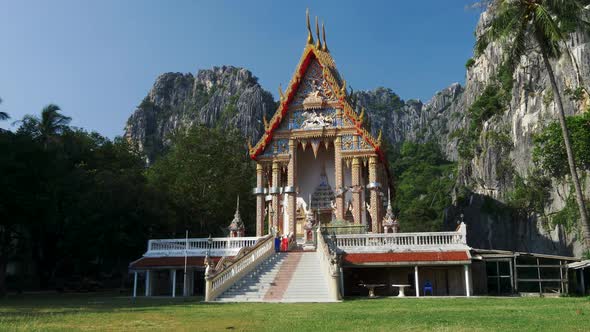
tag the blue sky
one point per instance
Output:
(98, 59)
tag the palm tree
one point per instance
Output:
(547, 22)
(48, 126)
(3, 115)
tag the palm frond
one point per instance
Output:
(504, 25)
(571, 15)
(547, 32)
(518, 47)
(4, 116)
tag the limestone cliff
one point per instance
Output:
(231, 98)
(226, 97)
(503, 147)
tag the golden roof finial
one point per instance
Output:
(317, 33)
(362, 116)
(309, 36)
(265, 122)
(325, 49)
(281, 94)
(249, 143)
(379, 137)
(343, 88)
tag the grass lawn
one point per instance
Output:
(110, 312)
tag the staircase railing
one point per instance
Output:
(219, 281)
(330, 265)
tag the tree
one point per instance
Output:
(47, 127)
(3, 115)
(201, 177)
(547, 22)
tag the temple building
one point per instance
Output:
(324, 187)
(316, 153)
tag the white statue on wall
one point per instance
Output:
(314, 119)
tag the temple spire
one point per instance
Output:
(318, 45)
(236, 227)
(390, 223)
(309, 35)
(325, 49)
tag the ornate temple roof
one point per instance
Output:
(316, 51)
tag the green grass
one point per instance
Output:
(108, 312)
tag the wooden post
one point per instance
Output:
(539, 276)
(561, 283)
(135, 284)
(582, 283)
(416, 281)
(511, 276)
(467, 288)
(173, 273)
(515, 276)
(148, 290)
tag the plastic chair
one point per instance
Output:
(427, 288)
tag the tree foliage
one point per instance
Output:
(201, 177)
(549, 151)
(424, 181)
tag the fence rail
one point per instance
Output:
(393, 241)
(199, 246)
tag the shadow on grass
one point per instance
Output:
(65, 304)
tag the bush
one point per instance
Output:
(549, 151)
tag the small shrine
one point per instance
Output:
(236, 227)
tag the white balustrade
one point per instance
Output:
(330, 268)
(402, 241)
(224, 246)
(223, 279)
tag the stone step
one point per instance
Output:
(283, 277)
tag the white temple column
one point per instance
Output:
(173, 277)
(259, 192)
(135, 284)
(416, 281)
(467, 286)
(290, 189)
(338, 179)
(275, 191)
(357, 204)
(148, 285)
(375, 199)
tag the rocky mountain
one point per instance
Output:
(490, 157)
(226, 97)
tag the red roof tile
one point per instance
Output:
(405, 257)
(155, 262)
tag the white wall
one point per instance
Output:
(309, 169)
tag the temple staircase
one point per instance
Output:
(283, 277)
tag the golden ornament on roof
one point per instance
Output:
(325, 48)
(318, 45)
(309, 36)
